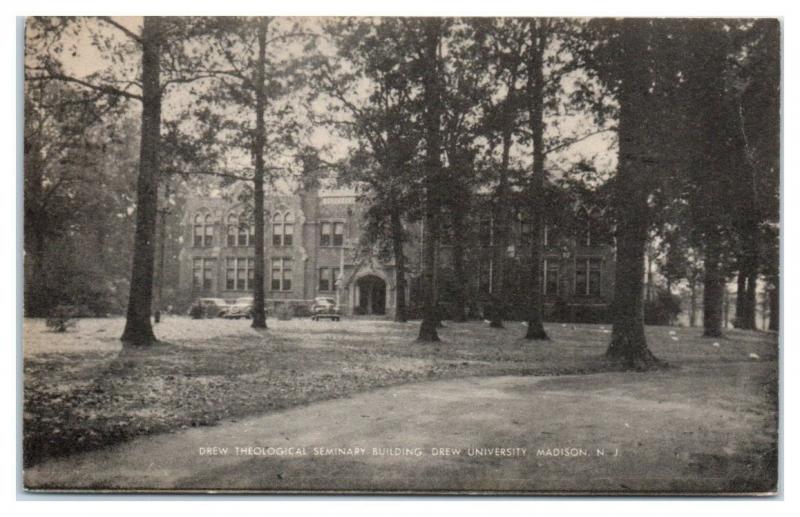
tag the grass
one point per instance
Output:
(82, 391)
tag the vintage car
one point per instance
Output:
(207, 308)
(240, 308)
(325, 307)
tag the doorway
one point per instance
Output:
(371, 295)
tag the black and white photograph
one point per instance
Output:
(399, 255)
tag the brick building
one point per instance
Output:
(311, 240)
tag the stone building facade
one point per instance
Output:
(311, 241)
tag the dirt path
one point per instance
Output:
(674, 430)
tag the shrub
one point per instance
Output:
(62, 318)
(284, 312)
(301, 310)
(663, 309)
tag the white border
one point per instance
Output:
(356, 506)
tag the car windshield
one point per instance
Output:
(243, 301)
(324, 301)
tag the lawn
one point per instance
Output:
(82, 391)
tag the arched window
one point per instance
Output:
(233, 225)
(244, 230)
(585, 234)
(282, 229)
(288, 229)
(277, 229)
(209, 231)
(250, 226)
(198, 230)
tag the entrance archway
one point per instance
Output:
(371, 294)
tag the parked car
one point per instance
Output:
(325, 307)
(240, 308)
(207, 308)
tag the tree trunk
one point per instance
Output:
(774, 307)
(725, 307)
(747, 280)
(427, 329)
(36, 302)
(458, 214)
(741, 297)
(749, 316)
(535, 85)
(628, 343)
(34, 220)
(650, 282)
(436, 275)
(162, 247)
(693, 302)
(399, 264)
(138, 329)
(635, 169)
(500, 232)
(259, 316)
(713, 285)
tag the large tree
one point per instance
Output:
(636, 61)
(244, 107)
(535, 96)
(433, 181)
(714, 168)
(373, 100)
(159, 46)
(78, 170)
(506, 47)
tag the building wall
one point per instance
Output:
(308, 254)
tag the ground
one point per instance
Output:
(707, 423)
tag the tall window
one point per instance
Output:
(209, 265)
(203, 230)
(239, 273)
(551, 272)
(331, 234)
(247, 232)
(594, 276)
(203, 272)
(585, 233)
(338, 234)
(587, 276)
(198, 230)
(277, 229)
(239, 232)
(197, 272)
(233, 229)
(325, 234)
(288, 229)
(327, 278)
(281, 275)
(282, 229)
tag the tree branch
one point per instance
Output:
(576, 140)
(122, 28)
(228, 175)
(102, 88)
